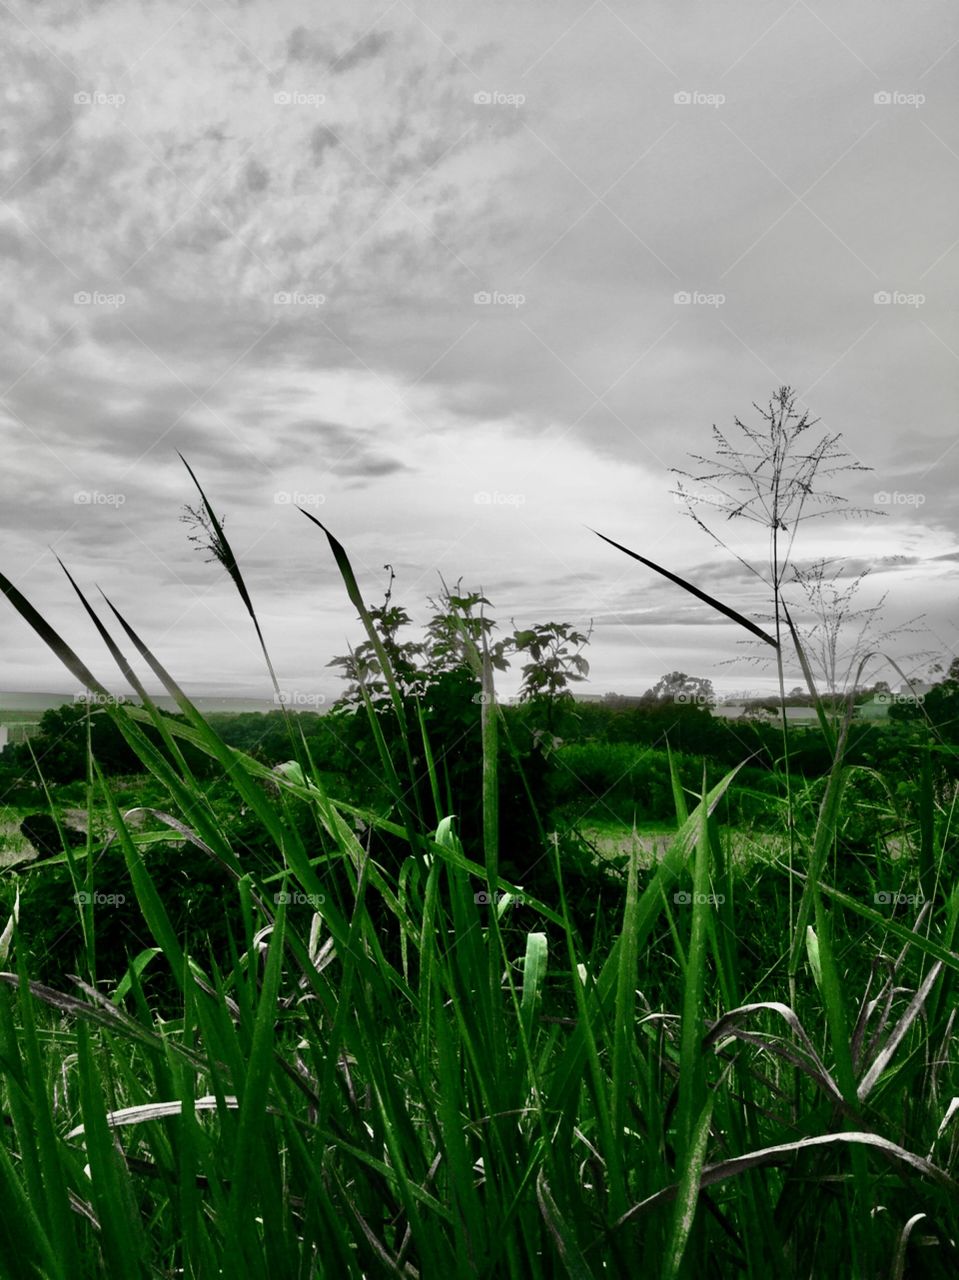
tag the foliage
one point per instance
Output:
(419, 1068)
(679, 687)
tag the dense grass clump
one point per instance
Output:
(391, 1058)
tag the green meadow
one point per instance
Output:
(429, 986)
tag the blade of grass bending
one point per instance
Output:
(825, 834)
(883, 1058)
(585, 1040)
(835, 1004)
(430, 763)
(679, 796)
(687, 1192)
(691, 1069)
(825, 726)
(566, 1246)
(151, 904)
(624, 1033)
(50, 637)
(927, 828)
(286, 839)
(255, 1088)
(356, 599)
(7, 936)
(534, 974)
(21, 1230)
(488, 735)
(568, 1073)
(450, 852)
(766, 1156)
(40, 1153)
(129, 674)
(469, 1218)
(224, 554)
(718, 605)
(121, 1229)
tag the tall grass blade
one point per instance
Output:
(718, 605)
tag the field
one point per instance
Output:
(431, 987)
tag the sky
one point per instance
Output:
(466, 283)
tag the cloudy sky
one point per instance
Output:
(465, 282)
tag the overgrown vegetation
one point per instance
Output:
(419, 1046)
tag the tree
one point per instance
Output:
(456, 636)
(60, 745)
(938, 708)
(679, 687)
(555, 651)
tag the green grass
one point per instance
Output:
(385, 1076)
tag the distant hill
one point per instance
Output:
(37, 703)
